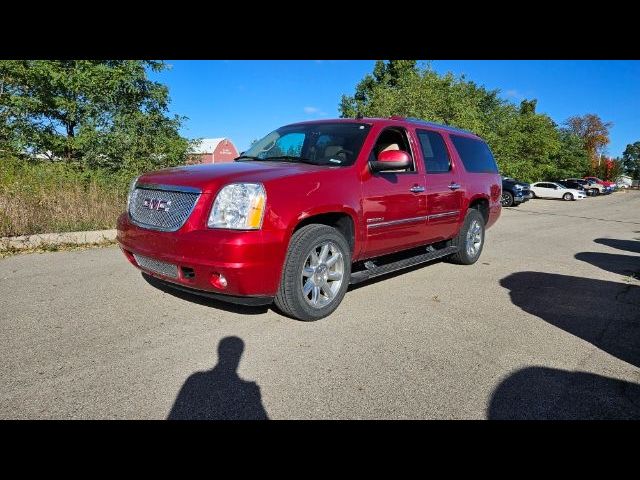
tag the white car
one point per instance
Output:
(555, 190)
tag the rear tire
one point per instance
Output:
(567, 197)
(307, 268)
(470, 239)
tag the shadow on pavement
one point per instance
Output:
(219, 393)
(537, 393)
(207, 302)
(612, 262)
(628, 245)
(602, 313)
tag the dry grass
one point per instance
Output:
(47, 199)
(68, 209)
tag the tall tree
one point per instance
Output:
(526, 144)
(631, 160)
(76, 108)
(594, 133)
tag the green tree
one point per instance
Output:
(571, 159)
(631, 160)
(526, 144)
(104, 113)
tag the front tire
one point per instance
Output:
(316, 273)
(507, 199)
(470, 239)
(567, 197)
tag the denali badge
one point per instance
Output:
(156, 204)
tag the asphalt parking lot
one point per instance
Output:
(545, 325)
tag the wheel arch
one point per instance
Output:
(342, 220)
(481, 204)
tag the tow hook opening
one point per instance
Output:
(188, 273)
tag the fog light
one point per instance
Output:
(218, 280)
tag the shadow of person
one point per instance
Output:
(612, 262)
(628, 245)
(541, 393)
(219, 393)
(600, 312)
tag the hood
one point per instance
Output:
(511, 181)
(210, 177)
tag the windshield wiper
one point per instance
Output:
(292, 158)
(246, 157)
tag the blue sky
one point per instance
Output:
(245, 100)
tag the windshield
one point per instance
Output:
(335, 144)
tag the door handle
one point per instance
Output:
(454, 186)
(417, 189)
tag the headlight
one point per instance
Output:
(132, 187)
(518, 187)
(239, 206)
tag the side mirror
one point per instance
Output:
(391, 160)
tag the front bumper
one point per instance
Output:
(247, 301)
(522, 197)
(250, 261)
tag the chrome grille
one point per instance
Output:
(163, 268)
(164, 208)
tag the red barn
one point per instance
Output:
(214, 150)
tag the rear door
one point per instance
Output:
(444, 195)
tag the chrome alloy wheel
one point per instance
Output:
(322, 274)
(474, 239)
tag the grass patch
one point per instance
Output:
(46, 197)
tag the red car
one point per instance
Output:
(311, 208)
(604, 183)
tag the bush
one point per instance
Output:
(43, 197)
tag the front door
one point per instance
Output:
(443, 189)
(394, 203)
(548, 190)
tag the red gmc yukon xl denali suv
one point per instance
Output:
(311, 208)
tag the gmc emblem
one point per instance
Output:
(156, 204)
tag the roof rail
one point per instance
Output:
(431, 124)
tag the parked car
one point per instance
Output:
(514, 192)
(555, 190)
(591, 188)
(311, 208)
(573, 185)
(608, 186)
(624, 181)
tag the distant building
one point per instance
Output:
(214, 150)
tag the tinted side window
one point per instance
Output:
(434, 152)
(475, 155)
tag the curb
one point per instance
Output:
(67, 238)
